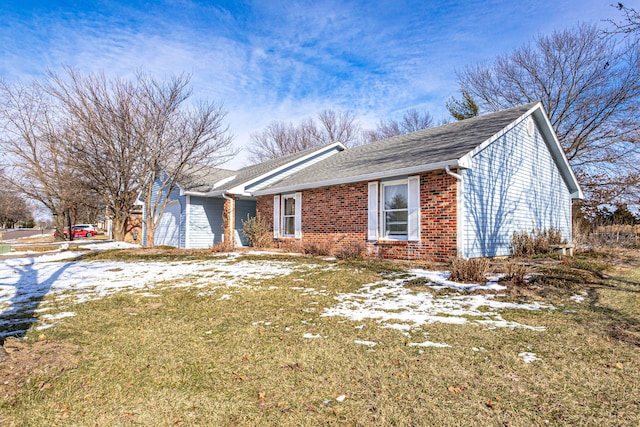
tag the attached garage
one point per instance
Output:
(168, 230)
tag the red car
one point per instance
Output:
(80, 230)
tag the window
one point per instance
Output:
(395, 210)
(289, 215)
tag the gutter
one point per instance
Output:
(459, 211)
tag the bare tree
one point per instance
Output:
(411, 121)
(630, 23)
(13, 209)
(280, 139)
(138, 138)
(34, 142)
(590, 87)
(181, 141)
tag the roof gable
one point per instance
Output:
(261, 174)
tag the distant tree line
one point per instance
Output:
(281, 138)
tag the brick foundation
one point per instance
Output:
(339, 215)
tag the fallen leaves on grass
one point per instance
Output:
(456, 389)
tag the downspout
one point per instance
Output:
(231, 221)
(459, 209)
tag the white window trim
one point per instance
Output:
(376, 212)
(382, 221)
(283, 227)
(297, 216)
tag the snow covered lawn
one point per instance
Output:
(31, 287)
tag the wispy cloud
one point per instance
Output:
(284, 60)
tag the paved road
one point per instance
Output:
(19, 233)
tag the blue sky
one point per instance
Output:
(269, 60)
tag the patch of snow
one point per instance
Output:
(367, 343)
(47, 326)
(224, 297)
(108, 246)
(56, 279)
(428, 344)
(577, 298)
(529, 357)
(440, 280)
(394, 305)
(307, 335)
(58, 316)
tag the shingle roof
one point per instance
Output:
(426, 147)
(205, 177)
(249, 173)
(202, 179)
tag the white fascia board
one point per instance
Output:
(239, 189)
(558, 151)
(361, 178)
(224, 181)
(217, 193)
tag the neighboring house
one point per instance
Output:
(460, 189)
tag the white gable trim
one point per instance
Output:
(240, 189)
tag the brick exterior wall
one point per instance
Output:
(339, 215)
(228, 222)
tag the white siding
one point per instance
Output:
(513, 185)
(205, 221)
(174, 196)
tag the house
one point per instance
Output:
(460, 189)
(211, 211)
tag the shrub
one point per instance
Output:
(220, 247)
(472, 270)
(293, 246)
(258, 231)
(515, 272)
(317, 248)
(351, 250)
(524, 244)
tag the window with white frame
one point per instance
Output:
(395, 209)
(288, 215)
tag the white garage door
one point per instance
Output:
(168, 230)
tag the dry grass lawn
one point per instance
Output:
(186, 358)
